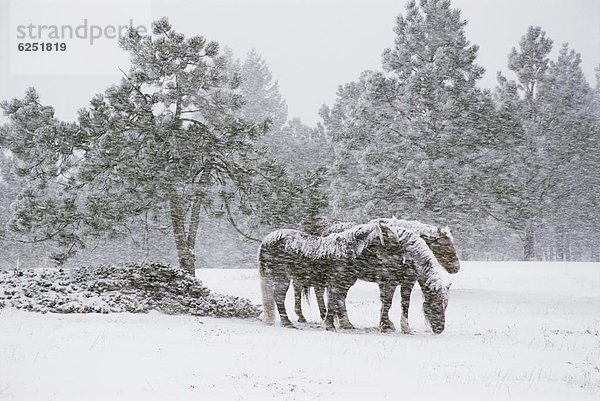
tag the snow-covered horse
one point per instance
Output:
(439, 240)
(307, 260)
(412, 257)
(441, 243)
(372, 252)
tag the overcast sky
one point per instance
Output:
(311, 46)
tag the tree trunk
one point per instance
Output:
(194, 224)
(185, 253)
(528, 239)
(560, 243)
(595, 250)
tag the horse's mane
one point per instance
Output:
(277, 235)
(417, 227)
(421, 257)
(349, 243)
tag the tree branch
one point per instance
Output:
(234, 225)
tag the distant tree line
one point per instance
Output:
(514, 171)
(191, 156)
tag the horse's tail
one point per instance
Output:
(306, 294)
(266, 287)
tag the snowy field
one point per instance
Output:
(515, 331)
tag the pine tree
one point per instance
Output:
(262, 99)
(300, 147)
(169, 139)
(538, 166)
(305, 153)
(432, 85)
(420, 119)
(591, 200)
(297, 195)
(566, 98)
(514, 179)
(9, 188)
(365, 160)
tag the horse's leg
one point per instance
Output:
(386, 295)
(405, 290)
(298, 302)
(337, 290)
(331, 308)
(320, 293)
(336, 296)
(342, 312)
(280, 291)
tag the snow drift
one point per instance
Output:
(135, 288)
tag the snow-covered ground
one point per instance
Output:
(515, 331)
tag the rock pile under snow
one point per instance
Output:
(135, 288)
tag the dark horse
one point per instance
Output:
(438, 239)
(373, 252)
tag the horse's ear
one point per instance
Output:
(443, 231)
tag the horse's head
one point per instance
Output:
(435, 303)
(442, 246)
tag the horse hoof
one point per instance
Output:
(387, 327)
(330, 328)
(407, 331)
(347, 326)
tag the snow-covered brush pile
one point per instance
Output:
(135, 288)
